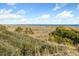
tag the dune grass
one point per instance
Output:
(21, 44)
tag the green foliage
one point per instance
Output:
(29, 31)
(27, 50)
(26, 30)
(65, 40)
(18, 29)
(65, 36)
(14, 44)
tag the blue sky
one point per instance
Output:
(39, 13)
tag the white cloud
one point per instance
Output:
(21, 12)
(56, 7)
(78, 6)
(9, 15)
(4, 11)
(65, 14)
(65, 17)
(43, 17)
(59, 6)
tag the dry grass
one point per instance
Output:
(41, 34)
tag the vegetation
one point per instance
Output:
(26, 31)
(29, 31)
(65, 35)
(18, 29)
(20, 44)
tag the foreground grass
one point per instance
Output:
(20, 44)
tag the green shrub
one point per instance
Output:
(18, 29)
(28, 31)
(65, 36)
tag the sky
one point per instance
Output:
(39, 13)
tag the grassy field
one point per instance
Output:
(38, 40)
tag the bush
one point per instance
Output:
(26, 30)
(66, 36)
(29, 31)
(18, 29)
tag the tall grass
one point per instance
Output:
(21, 44)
